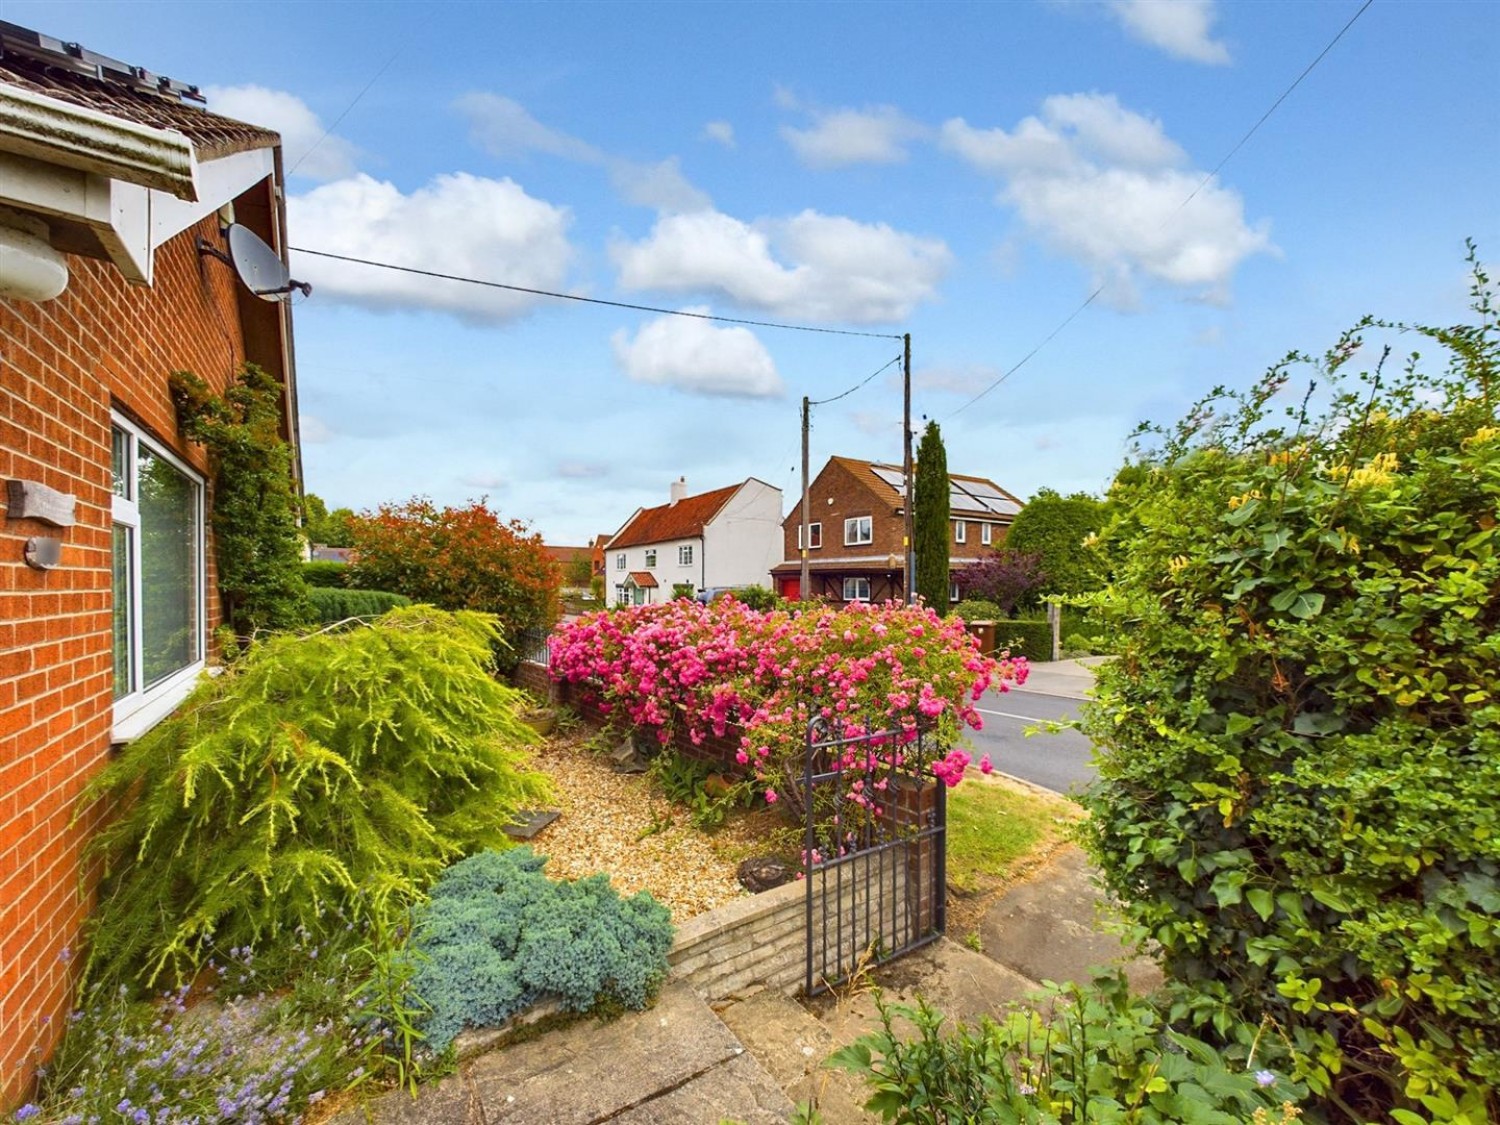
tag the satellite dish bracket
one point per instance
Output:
(246, 272)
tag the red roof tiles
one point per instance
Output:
(682, 520)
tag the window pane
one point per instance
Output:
(121, 592)
(119, 461)
(170, 630)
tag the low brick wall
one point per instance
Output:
(763, 940)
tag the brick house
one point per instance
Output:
(110, 178)
(727, 537)
(856, 528)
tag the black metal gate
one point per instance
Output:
(875, 849)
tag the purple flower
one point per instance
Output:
(28, 1111)
(1264, 1078)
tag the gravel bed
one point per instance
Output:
(619, 824)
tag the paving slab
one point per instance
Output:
(738, 1090)
(1053, 927)
(677, 1057)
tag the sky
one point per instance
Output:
(966, 173)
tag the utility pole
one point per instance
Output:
(802, 536)
(909, 562)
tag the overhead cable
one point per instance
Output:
(851, 390)
(1089, 300)
(594, 300)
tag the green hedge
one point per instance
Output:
(325, 574)
(1030, 637)
(333, 606)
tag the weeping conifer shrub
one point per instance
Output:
(320, 785)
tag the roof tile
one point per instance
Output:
(682, 520)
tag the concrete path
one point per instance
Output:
(675, 1064)
(1055, 927)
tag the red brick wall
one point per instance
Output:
(63, 364)
(850, 497)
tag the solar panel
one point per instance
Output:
(891, 477)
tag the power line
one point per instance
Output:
(594, 300)
(1089, 300)
(328, 131)
(851, 390)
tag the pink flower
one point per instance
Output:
(771, 797)
(985, 766)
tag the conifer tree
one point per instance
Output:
(930, 519)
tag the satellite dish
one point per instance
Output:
(258, 266)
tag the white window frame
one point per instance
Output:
(814, 536)
(620, 561)
(685, 555)
(960, 531)
(140, 709)
(986, 533)
(853, 526)
(953, 591)
(650, 558)
(857, 583)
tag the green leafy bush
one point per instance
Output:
(977, 609)
(332, 606)
(757, 597)
(499, 935)
(257, 544)
(327, 773)
(1030, 637)
(1299, 794)
(325, 574)
(1056, 527)
(1097, 1054)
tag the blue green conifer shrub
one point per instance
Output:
(498, 935)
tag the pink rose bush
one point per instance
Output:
(860, 667)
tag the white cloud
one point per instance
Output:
(839, 137)
(661, 186)
(505, 128)
(457, 224)
(874, 422)
(967, 379)
(810, 266)
(721, 131)
(1106, 186)
(303, 144)
(313, 429)
(580, 470)
(482, 480)
(697, 356)
(1181, 28)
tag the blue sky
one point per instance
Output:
(968, 173)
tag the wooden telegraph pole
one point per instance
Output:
(908, 547)
(806, 587)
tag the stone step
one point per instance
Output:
(676, 1063)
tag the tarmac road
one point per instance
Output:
(1059, 761)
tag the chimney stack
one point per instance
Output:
(679, 490)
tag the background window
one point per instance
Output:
(960, 532)
(986, 531)
(856, 589)
(619, 562)
(814, 536)
(685, 555)
(858, 530)
(650, 558)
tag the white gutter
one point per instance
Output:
(71, 136)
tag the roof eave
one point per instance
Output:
(73, 136)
